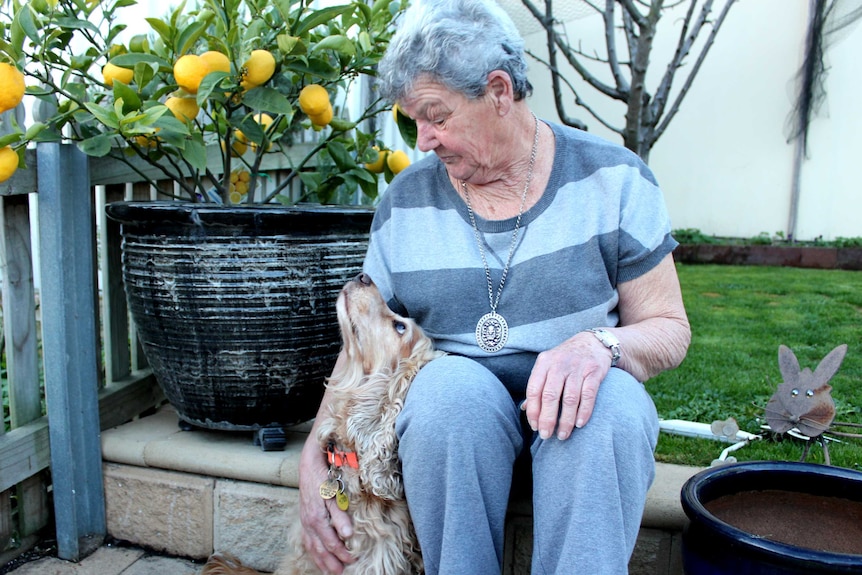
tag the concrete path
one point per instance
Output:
(112, 561)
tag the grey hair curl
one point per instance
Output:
(454, 42)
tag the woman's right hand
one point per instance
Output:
(325, 527)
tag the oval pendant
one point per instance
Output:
(492, 331)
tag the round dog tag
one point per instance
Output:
(329, 488)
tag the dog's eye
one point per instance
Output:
(399, 326)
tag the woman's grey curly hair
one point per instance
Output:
(454, 42)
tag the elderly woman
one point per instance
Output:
(539, 257)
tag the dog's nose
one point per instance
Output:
(364, 279)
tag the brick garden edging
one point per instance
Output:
(763, 255)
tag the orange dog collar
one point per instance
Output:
(339, 458)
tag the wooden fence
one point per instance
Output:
(73, 335)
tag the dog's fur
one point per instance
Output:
(384, 351)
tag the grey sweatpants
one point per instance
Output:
(460, 432)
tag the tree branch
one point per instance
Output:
(611, 44)
(683, 47)
(575, 122)
(690, 79)
(548, 23)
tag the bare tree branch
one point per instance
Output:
(611, 43)
(690, 78)
(548, 22)
(646, 117)
(683, 48)
(633, 11)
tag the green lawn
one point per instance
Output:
(739, 316)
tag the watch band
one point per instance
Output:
(610, 341)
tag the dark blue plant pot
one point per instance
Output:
(711, 546)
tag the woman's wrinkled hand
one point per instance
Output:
(325, 527)
(563, 385)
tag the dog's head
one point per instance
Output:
(374, 337)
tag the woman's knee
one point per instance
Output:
(457, 397)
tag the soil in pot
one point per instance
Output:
(822, 523)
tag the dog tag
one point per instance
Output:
(342, 500)
(329, 488)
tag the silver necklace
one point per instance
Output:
(492, 330)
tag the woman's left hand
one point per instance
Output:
(563, 386)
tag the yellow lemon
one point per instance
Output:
(323, 118)
(259, 68)
(240, 175)
(111, 72)
(377, 165)
(238, 145)
(397, 161)
(11, 86)
(314, 100)
(395, 112)
(265, 121)
(189, 70)
(185, 109)
(8, 163)
(145, 142)
(216, 61)
(235, 197)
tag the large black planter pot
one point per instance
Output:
(235, 306)
(712, 546)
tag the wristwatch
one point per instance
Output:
(610, 341)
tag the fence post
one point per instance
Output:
(70, 344)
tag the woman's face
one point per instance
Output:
(459, 130)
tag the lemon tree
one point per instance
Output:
(222, 74)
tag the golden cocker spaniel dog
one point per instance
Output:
(384, 352)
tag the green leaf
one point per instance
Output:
(291, 45)
(195, 153)
(407, 128)
(340, 125)
(363, 174)
(189, 36)
(151, 115)
(144, 73)
(132, 59)
(24, 19)
(341, 44)
(10, 139)
(75, 24)
(164, 31)
(130, 98)
(320, 17)
(210, 82)
(268, 99)
(104, 115)
(340, 155)
(97, 146)
(34, 130)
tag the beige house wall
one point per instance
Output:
(724, 163)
